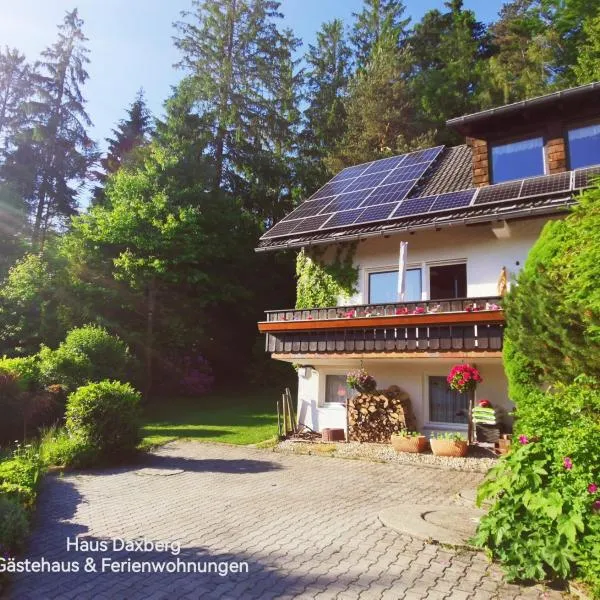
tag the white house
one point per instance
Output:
(467, 213)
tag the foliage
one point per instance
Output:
(553, 329)
(463, 378)
(197, 376)
(13, 525)
(587, 68)
(20, 475)
(543, 522)
(320, 283)
(105, 416)
(448, 435)
(409, 434)
(361, 381)
(10, 398)
(58, 448)
(25, 369)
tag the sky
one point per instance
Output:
(131, 44)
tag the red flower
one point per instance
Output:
(592, 488)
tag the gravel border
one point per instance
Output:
(480, 459)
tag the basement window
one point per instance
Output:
(447, 281)
(337, 391)
(517, 160)
(584, 146)
(446, 405)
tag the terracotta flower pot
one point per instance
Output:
(402, 443)
(449, 447)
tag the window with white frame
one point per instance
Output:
(383, 286)
(337, 391)
(446, 405)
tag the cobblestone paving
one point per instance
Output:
(306, 526)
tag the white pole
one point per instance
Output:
(402, 271)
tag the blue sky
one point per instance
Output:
(131, 41)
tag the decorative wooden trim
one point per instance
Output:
(474, 318)
(480, 355)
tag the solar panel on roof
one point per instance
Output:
(414, 206)
(389, 193)
(547, 184)
(350, 172)
(377, 213)
(344, 202)
(310, 224)
(428, 155)
(406, 173)
(331, 189)
(367, 181)
(281, 228)
(499, 192)
(384, 164)
(343, 218)
(585, 177)
(308, 209)
(453, 200)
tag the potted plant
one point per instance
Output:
(409, 441)
(448, 444)
(464, 379)
(361, 381)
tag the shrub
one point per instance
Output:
(11, 423)
(25, 369)
(87, 354)
(58, 448)
(13, 525)
(105, 417)
(20, 475)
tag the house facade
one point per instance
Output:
(468, 215)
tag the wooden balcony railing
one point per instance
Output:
(465, 324)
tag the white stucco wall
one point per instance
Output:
(484, 253)
(410, 374)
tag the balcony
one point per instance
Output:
(452, 326)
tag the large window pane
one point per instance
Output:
(517, 160)
(446, 405)
(336, 389)
(383, 287)
(448, 281)
(584, 146)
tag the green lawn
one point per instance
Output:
(230, 417)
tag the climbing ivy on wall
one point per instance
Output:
(320, 284)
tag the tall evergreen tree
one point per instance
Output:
(15, 89)
(130, 134)
(449, 49)
(327, 75)
(520, 67)
(381, 117)
(240, 81)
(376, 17)
(587, 68)
(58, 139)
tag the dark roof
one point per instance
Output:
(468, 216)
(564, 104)
(451, 173)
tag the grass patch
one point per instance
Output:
(229, 417)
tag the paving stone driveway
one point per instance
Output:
(307, 527)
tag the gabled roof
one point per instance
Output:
(451, 173)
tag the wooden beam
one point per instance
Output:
(385, 356)
(476, 317)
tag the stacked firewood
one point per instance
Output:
(374, 417)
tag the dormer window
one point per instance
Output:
(517, 160)
(584, 146)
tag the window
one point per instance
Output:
(383, 287)
(517, 160)
(446, 405)
(448, 281)
(584, 146)
(337, 390)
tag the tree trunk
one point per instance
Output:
(151, 293)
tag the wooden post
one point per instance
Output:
(470, 424)
(278, 421)
(284, 415)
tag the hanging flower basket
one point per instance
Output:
(464, 378)
(361, 381)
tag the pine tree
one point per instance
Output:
(131, 134)
(375, 17)
(381, 117)
(64, 150)
(327, 77)
(15, 89)
(587, 68)
(449, 52)
(236, 62)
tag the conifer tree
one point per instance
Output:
(15, 89)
